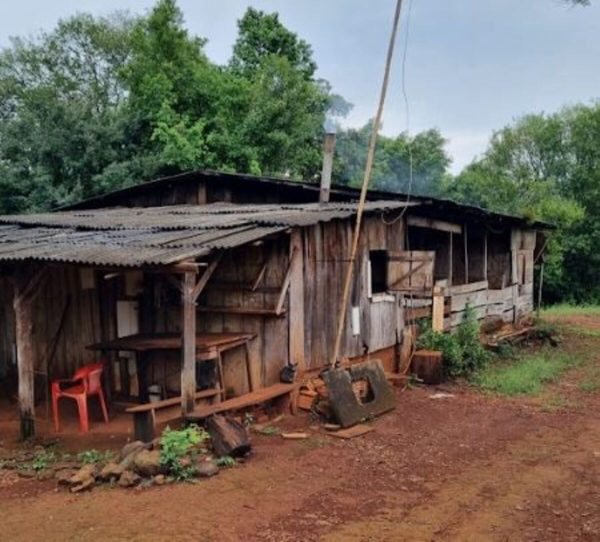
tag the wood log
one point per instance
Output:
(229, 437)
(428, 366)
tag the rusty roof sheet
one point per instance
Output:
(135, 237)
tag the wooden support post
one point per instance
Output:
(296, 304)
(437, 310)
(23, 325)
(450, 258)
(466, 241)
(485, 256)
(188, 370)
(26, 286)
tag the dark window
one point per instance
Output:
(379, 260)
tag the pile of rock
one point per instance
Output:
(138, 464)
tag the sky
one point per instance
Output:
(472, 66)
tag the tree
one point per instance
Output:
(260, 36)
(100, 103)
(548, 167)
(61, 111)
(399, 160)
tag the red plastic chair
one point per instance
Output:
(86, 381)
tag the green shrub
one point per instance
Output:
(94, 456)
(178, 449)
(462, 350)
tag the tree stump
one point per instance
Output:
(428, 366)
(229, 437)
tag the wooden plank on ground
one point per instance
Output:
(352, 432)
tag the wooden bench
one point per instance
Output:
(147, 416)
(243, 401)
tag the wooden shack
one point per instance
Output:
(245, 273)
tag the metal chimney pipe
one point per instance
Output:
(328, 150)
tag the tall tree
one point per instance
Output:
(548, 167)
(61, 111)
(404, 163)
(260, 36)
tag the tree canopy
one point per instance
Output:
(99, 103)
(548, 167)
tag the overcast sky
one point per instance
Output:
(472, 65)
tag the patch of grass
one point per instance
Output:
(524, 376)
(565, 309)
(557, 402)
(581, 331)
(589, 386)
(94, 456)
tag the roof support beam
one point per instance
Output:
(26, 285)
(188, 350)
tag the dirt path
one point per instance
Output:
(470, 467)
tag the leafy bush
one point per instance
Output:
(462, 350)
(94, 456)
(178, 449)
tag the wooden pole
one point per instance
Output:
(466, 243)
(540, 288)
(365, 186)
(188, 350)
(451, 259)
(23, 325)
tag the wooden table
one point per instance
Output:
(208, 346)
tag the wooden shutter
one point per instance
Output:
(410, 271)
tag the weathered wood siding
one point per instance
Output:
(326, 252)
(61, 303)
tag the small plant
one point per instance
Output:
(91, 457)
(42, 460)
(178, 449)
(226, 461)
(462, 350)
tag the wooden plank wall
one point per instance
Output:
(326, 249)
(81, 325)
(229, 286)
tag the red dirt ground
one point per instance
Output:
(469, 467)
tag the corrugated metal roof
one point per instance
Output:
(157, 235)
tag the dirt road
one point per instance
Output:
(468, 467)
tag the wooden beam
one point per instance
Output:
(259, 277)
(206, 276)
(433, 224)
(25, 365)
(450, 259)
(466, 244)
(296, 305)
(188, 351)
(485, 256)
(286, 283)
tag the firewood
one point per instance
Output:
(229, 437)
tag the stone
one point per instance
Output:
(83, 475)
(63, 476)
(147, 463)
(156, 443)
(46, 474)
(88, 483)
(132, 448)
(111, 471)
(160, 480)
(206, 469)
(27, 473)
(129, 479)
